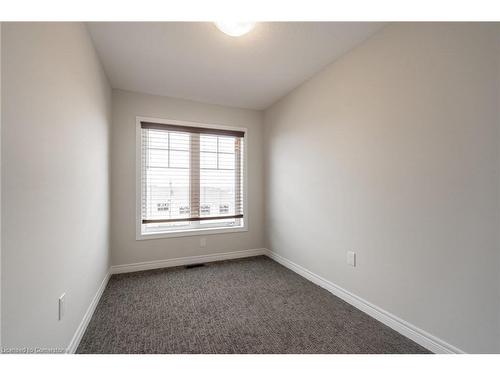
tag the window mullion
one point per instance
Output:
(194, 174)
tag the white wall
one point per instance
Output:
(392, 151)
(125, 248)
(56, 105)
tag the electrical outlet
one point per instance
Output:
(351, 258)
(203, 242)
(61, 306)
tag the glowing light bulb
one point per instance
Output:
(235, 28)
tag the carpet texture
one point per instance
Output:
(251, 305)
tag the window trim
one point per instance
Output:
(138, 178)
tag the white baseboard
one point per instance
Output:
(77, 337)
(142, 266)
(416, 334)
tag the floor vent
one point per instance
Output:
(195, 265)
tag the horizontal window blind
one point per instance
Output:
(191, 175)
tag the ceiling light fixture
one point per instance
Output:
(235, 28)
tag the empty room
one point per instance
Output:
(250, 187)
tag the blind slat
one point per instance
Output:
(192, 219)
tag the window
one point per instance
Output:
(205, 209)
(191, 179)
(162, 206)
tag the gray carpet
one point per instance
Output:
(251, 305)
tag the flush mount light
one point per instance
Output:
(235, 28)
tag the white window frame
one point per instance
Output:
(138, 179)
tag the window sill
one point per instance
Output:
(189, 233)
